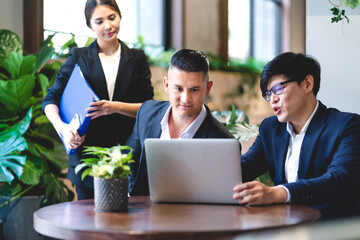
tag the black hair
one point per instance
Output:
(92, 4)
(295, 66)
(190, 61)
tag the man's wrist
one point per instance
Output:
(282, 194)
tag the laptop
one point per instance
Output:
(193, 170)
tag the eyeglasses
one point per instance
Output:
(276, 89)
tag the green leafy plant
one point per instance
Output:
(9, 42)
(12, 143)
(237, 122)
(107, 163)
(32, 158)
(65, 48)
(339, 13)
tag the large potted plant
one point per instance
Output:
(32, 160)
(110, 169)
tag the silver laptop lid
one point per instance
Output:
(193, 170)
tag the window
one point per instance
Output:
(254, 29)
(59, 17)
(239, 28)
(139, 17)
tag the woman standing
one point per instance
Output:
(118, 75)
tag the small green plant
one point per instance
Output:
(237, 122)
(107, 163)
(339, 13)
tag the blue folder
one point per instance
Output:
(76, 97)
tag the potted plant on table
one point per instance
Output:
(110, 169)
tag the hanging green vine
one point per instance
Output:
(338, 11)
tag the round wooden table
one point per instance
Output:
(144, 219)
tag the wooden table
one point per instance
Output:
(144, 219)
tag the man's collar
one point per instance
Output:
(191, 129)
(290, 129)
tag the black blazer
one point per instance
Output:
(329, 165)
(132, 85)
(147, 125)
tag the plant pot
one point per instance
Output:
(1, 230)
(111, 195)
(17, 218)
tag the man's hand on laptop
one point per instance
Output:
(256, 193)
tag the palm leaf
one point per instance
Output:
(11, 143)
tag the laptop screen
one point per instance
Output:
(193, 170)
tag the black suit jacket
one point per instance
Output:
(329, 165)
(132, 85)
(147, 125)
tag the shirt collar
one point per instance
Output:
(118, 52)
(191, 129)
(290, 128)
(164, 121)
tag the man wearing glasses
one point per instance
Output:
(311, 152)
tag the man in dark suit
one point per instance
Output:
(185, 116)
(311, 152)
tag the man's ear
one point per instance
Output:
(208, 87)
(309, 83)
(166, 85)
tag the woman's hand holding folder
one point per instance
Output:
(70, 135)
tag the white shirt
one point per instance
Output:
(293, 152)
(110, 71)
(189, 131)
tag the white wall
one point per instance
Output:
(337, 47)
(11, 16)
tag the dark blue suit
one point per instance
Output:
(329, 165)
(147, 125)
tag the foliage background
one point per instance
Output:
(32, 160)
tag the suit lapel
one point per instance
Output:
(281, 141)
(94, 73)
(203, 130)
(312, 135)
(124, 72)
(154, 130)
